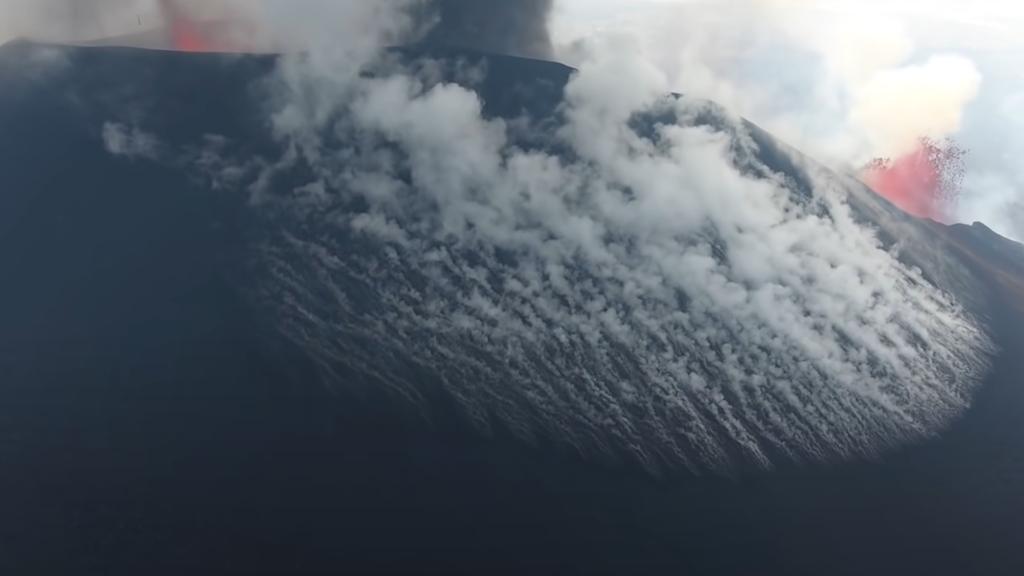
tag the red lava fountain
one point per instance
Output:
(925, 182)
(186, 34)
(189, 34)
(188, 39)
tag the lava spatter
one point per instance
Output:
(924, 182)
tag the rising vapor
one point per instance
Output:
(848, 82)
(640, 282)
(631, 278)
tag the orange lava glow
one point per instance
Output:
(188, 39)
(924, 182)
(187, 35)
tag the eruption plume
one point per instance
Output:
(186, 34)
(518, 27)
(515, 27)
(215, 26)
(925, 182)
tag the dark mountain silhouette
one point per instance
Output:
(154, 419)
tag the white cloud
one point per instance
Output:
(655, 292)
(843, 80)
(896, 107)
(663, 295)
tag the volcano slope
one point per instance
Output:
(474, 318)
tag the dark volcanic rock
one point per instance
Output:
(153, 418)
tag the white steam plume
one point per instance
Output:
(650, 289)
(897, 107)
(844, 81)
(655, 291)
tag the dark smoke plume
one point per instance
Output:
(518, 27)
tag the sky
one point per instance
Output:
(846, 81)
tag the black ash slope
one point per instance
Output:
(152, 420)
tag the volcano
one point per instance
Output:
(224, 352)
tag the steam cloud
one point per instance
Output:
(848, 83)
(638, 283)
(897, 107)
(651, 289)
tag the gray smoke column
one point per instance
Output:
(68, 20)
(518, 27)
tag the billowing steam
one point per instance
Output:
(897, 107)
(628, 277)
(904, 111)
(848, 82)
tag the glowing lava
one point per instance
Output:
(187, 35)
(188, 39)
(925, 182)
